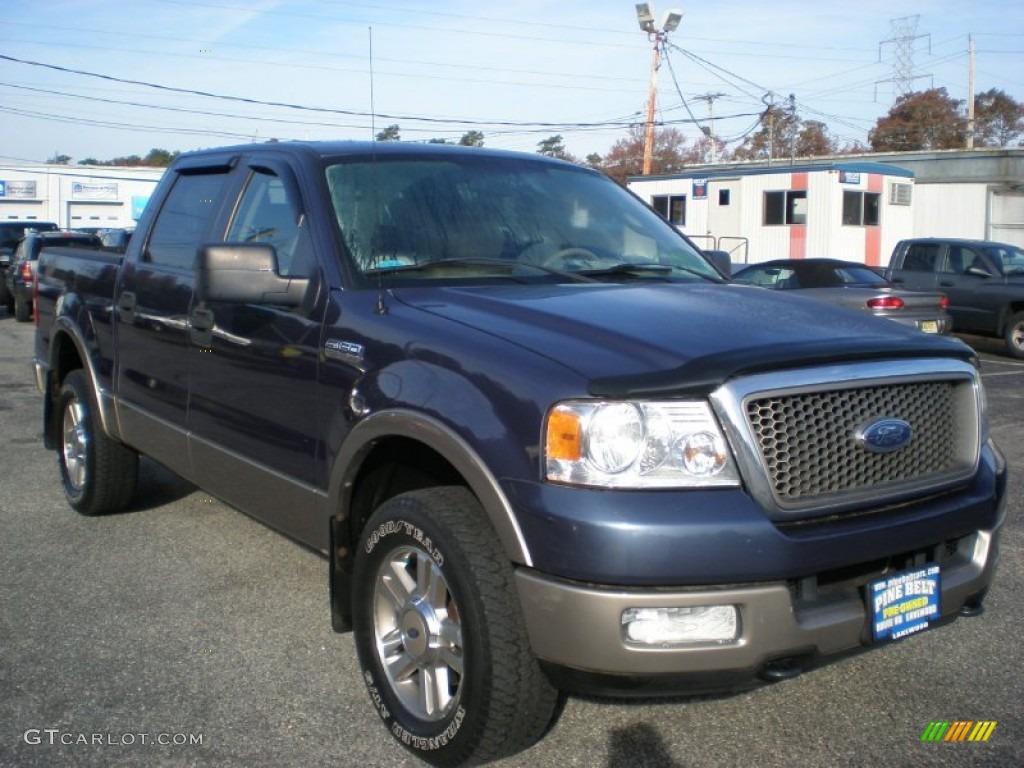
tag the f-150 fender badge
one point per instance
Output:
(884, 435)
(345, 351)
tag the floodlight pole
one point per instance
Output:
(658, 38)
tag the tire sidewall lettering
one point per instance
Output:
(401, 527)
(430, 743)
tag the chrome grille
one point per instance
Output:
(808, 446)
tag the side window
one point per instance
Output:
(671, 207)
(860, 209)
(921, 257)
(268, 214)
(785, 207)
(183, 220)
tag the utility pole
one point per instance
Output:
(970, 93)
(709, 99)
(658, 36)
(769, 100)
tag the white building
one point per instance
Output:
(853, 208)
(76, 196)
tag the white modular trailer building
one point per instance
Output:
(856, 211)
(976, 194)
(76, 196)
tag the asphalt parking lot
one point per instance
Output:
(184, 633)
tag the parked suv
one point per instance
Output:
(11, 233)
(18, 280)
(984, 281)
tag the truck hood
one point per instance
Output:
(654, 337)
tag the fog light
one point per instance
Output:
(681, 626)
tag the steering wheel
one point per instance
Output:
(581, 258)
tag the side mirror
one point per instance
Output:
(245, 273)
(721, 260)
(978, 272)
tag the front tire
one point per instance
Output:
(99, 473)
(440, 634)
(1014, 335)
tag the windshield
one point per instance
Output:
(451, 217)
(1010, 259)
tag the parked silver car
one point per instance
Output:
(854, 285)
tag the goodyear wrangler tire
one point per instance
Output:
(99, 473)
(440, 635)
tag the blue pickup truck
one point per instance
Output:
(544, 444)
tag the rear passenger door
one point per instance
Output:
(152, 307)
(920, 262)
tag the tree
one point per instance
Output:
(554, 146)
(998, 119)
(920, 121)
(626, 157)
(391, 133)
(472, 139)
(812, 140)
(159, 158)
(59, 159)
(90, 161)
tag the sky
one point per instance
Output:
(106, 78)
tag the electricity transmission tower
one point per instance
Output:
(904, 39)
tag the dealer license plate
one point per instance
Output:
(930, 326)
(904, 603)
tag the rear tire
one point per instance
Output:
(440, 635)
(22, 309)
(99, 473)
(1014, 335)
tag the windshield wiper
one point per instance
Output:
(506, 265)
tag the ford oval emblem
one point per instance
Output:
(884, 435)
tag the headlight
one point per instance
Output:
(668, 444)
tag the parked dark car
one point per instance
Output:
(11, 233)
(19, 277)
(854, 285)
(983, 279)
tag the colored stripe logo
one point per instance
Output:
(958, 730)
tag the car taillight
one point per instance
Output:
(26, 271)
(886, 302)
(944, 302)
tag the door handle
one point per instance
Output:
(202, 319)
(127, 302)
(200, 328)
(947, 285)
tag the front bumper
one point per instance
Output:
(576, 629)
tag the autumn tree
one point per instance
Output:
(998, 119)
(626, 157)
(923, 120)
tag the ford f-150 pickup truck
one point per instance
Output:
(545, 445)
